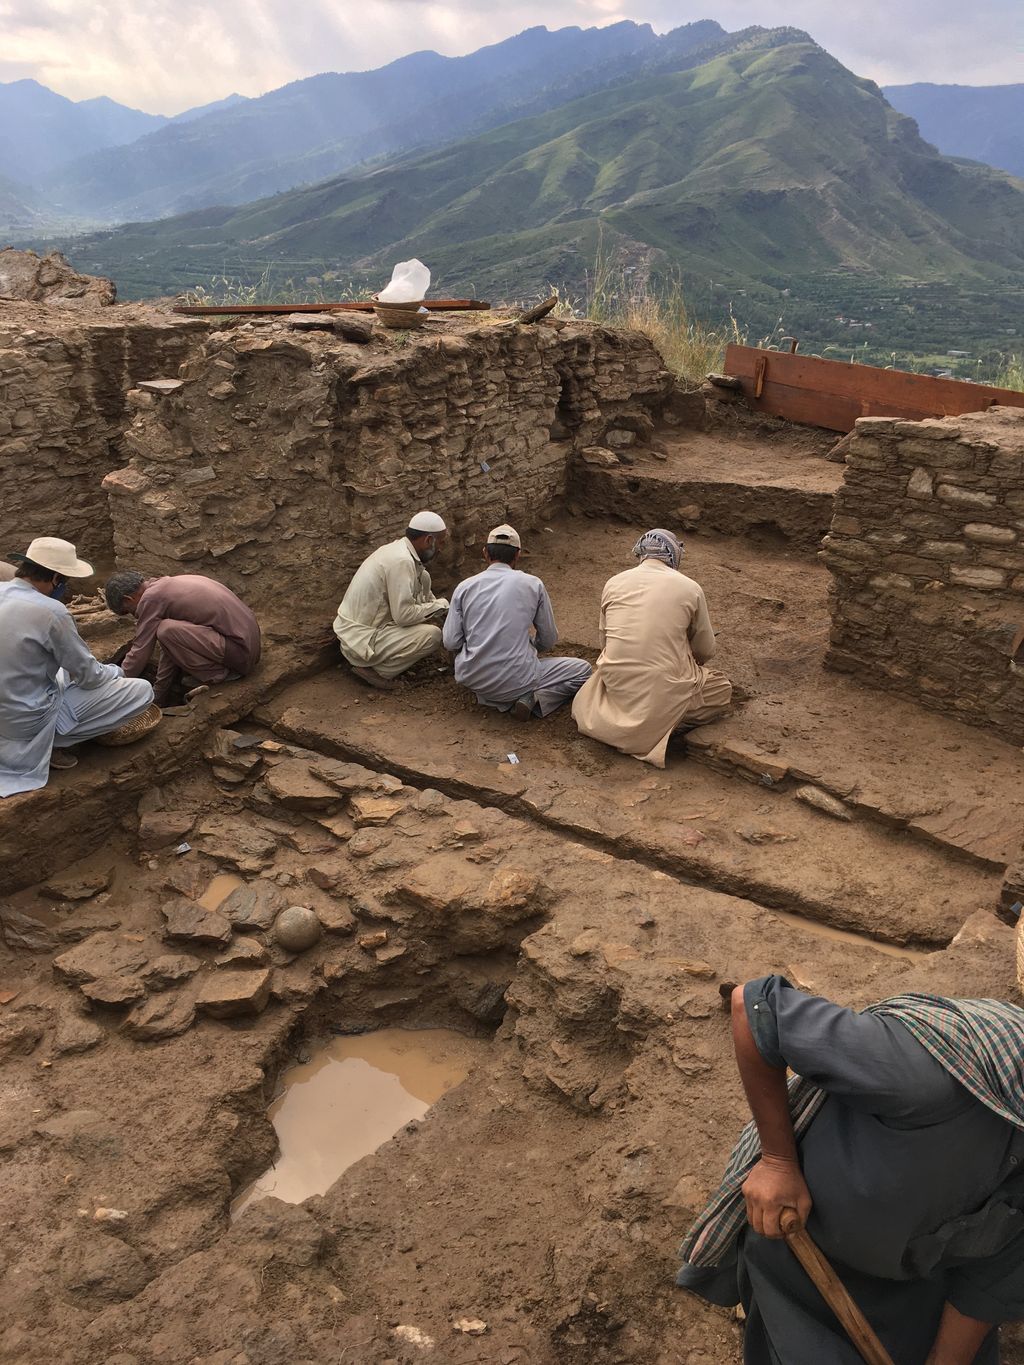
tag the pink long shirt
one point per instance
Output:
(202, 602)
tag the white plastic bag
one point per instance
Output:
(410, 281)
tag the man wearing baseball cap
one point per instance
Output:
(488, 631)
(53, 691)
(389, 618)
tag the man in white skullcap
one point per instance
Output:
(488, 630)
(53, 692)
(389, 618)
(656, 639)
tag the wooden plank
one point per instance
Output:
(834, 393)
(274, 309)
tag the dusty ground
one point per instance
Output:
(580, 908)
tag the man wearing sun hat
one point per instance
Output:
(488, 630)
(53, 692)
(389, 618)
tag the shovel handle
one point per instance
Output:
(832, 1290)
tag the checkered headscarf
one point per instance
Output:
(659, 544)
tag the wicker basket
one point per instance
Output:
(401, 315)
(1020, 952)
(135, 729)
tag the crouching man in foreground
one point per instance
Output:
(488, 630)
(53, 692)
(206, 634)
(900, 1144)
(389, 618)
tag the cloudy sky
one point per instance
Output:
(167, 55)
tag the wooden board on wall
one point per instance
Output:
(833, 394)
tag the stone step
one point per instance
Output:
(925, 773)
(717, 482)
(699, 825)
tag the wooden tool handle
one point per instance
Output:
(832, 1290)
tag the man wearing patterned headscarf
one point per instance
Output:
(656, 639)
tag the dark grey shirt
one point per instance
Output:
(912, 1178)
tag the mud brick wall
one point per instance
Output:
(64, 376)
(927, 556)
(285, 457)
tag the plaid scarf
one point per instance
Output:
(979, 1042)
(659, 544)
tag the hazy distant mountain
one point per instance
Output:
(39, 130)
(983, 122)
(21, 211)
(769, 163)
(318, 127)
(201, 110)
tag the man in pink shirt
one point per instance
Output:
(204, 631)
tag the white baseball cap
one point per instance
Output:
(59, 555)
(504, 535)
(427, 522)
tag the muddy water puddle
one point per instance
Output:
(219, 890)
(354, 1094)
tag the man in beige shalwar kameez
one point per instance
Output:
(656, 638)
(389, 618)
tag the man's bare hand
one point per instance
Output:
(775, 1183)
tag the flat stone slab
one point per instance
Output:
(254, 906)
(296, 788)
(169, 969)
(102, 955)
(243, 952)
(187, 921)
(229, 992)
(75, 1033)
(240, 844)
(161, 1016)
(114, 992)
(27, 932)
(74, 888)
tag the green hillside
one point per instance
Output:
(757, 170)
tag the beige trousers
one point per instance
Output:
(396, 648)
(707, 704)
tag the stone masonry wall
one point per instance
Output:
(284, 457)
(927, 556)
(64, 376)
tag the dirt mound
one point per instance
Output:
(31, 278)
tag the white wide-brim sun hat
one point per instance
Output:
(59, 555)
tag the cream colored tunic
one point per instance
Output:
(383, 619)
(655, 638)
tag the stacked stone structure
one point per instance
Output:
(927, 556)
(282, 457)
(64, 376)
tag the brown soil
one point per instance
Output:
(579, 909)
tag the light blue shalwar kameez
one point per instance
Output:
(488, 631)
(53, 691)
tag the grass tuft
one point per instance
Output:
(1012, 376)
(620, 294)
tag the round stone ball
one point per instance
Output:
(297, 928)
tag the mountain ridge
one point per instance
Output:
(982, 122)
(769, 160)
(291, 135)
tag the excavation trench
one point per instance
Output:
(816, 914)
(541, 1196)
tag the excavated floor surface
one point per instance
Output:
(578, 908)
